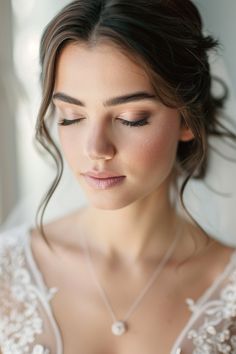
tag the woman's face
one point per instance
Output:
(88, 81)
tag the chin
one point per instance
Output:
(110, 202)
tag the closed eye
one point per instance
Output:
(138, 123)
(69, 121)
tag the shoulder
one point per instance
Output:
(62, 233)
(222, 258)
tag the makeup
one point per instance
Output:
(104, 183)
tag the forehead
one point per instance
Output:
(103, 69)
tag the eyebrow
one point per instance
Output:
(131, 97)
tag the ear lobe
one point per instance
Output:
(186, 133)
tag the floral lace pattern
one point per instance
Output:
(20, 321)
(217, 333)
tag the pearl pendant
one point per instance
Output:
(118, 328)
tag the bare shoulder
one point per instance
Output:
(205, 248)
(217, 257)
(220, 248)
(60, 232)
(64, 255)
(208, 258)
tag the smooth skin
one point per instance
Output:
(128, 227)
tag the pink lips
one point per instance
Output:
(102, 174)
(103, 179)
(104, 183)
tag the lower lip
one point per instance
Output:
(104, 183)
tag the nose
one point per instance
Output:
(98, 144)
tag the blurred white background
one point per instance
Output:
(25, 176)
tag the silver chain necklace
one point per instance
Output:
(119, 327)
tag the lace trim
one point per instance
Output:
(217, 334)
(20, 321)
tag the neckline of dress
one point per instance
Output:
(44, 290)
(202, 299)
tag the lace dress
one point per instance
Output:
(28, 325)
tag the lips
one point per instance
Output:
(102, 174)
(104, 183)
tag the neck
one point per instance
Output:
(143, 230)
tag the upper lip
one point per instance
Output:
(101, 174)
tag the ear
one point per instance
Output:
(186, 133)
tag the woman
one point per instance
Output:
(129, 86)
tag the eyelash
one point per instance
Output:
(138, 123)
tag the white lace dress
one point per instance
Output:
(28, 325)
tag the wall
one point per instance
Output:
(220, 19)
(9, 190)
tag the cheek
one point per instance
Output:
(157, 151)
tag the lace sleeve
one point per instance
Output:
(20, 322)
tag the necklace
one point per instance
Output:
(119, 327)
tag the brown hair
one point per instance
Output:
(165, 37)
